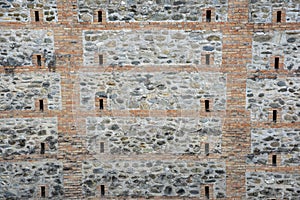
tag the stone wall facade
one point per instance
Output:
(23, 91)
(261, 11)
(154, 178)
(281, 142)
(23, 136)
(23, 180)
(159, 10)
(262, 185)
(22, 10)
(154, 135)
(266, 95)
(151, 47)
(18, 47)
(158, 99)
(281, 44)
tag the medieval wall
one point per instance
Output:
(149, 99)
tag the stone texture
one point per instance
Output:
(147, 10)
(262, 185)
(283, 142)
(19, 10)
(22, 136)
(263, 95)
(153, 178)
(266, 45)
(129, 47)
(154, 135)
(22, 180)
(260, 11)
(22, 91)
(17, 47)
(154, 91)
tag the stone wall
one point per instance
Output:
(154, 135)
(20, 10)
(22, 180)
(282, 94)
(281, 142)
(159, 10)
(260, 11)
(20, 92)
(153, 91)
(263, 185)
(154, 178)
(23, 136)
(17, 47)
(267, 45)
(135, 47)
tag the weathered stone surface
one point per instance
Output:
(154, 91)
(283, 142)
(264, 185)
(260, 11)
(22, 180)
(267, 45)
(20, 92)
(153, 178)
(278, 93)
(164, 10)
(22, 136)
(19, 10)
(21, 45)
(154, 135)
(129, 47)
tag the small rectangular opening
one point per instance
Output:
(274, 116)
(41, 102)
(278, 16)
(101, 147)
(42, 148)
(39, 60)
(208, 15)
(100, 59)
(276, 63)
(206, 149)
(274, 160)
(102, 188)
(43, 191)
(207, 57)
(36, 16)
(99, 16)
(101, 104)
(206, 192)
(206, 102)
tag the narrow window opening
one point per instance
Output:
(274, 160)
(207, 149)
(99, 16)
(36, 16)
(276, 64)
(208, 16)
(43, 191)
(207, 57)
(42, 148)
(39, 60)
(102, 188)
(274, 116)
(101, 147)
(100, 59)
(41, 102)
(206, 102)
(278, 17)
(101, 104)
(207, 192)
